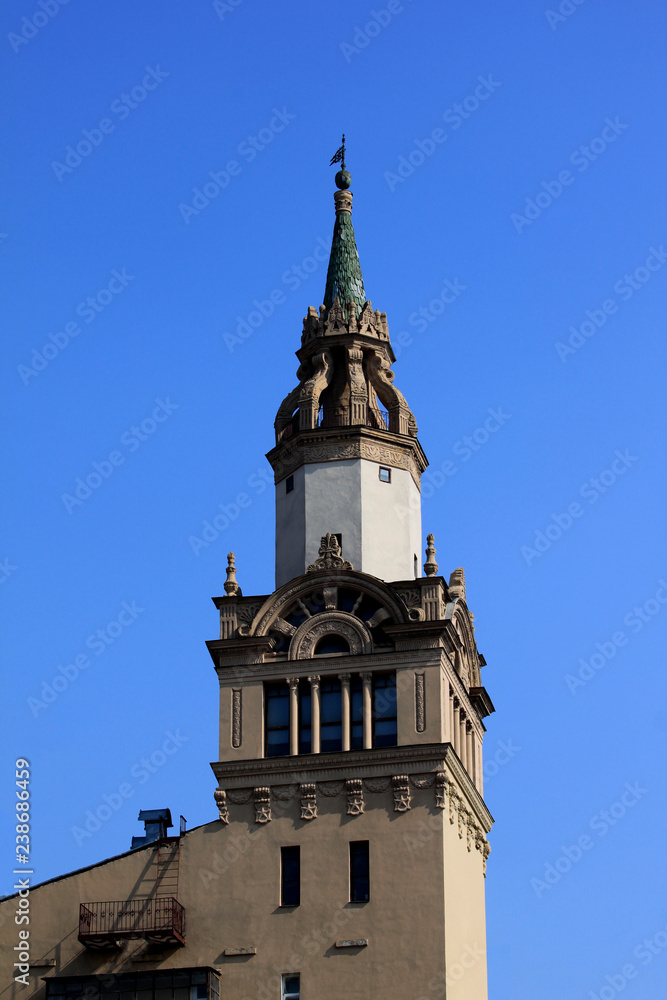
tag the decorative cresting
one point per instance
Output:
(329, 555)
(334, 623)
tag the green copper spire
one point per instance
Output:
(344, 275)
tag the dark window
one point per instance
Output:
(331, 644)
(416, 567)
(291, 989)
(305, 737)
(385, 474)
(357, 713)
(384, 710)
(331, 725)
(276, 698)
(360, 884)
(177, 984)
(289, 484)
(290, 876)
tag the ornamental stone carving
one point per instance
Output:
(402, 796)
(329, 555)
(236, 717)
(308, 801)
(355, 796)
(262, 805)
(340, 623)
(221, 802)
(420, 703)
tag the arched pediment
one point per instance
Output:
(457, 612)
(310, 606)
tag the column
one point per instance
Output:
(456, 734)
(451, 717)
(462, 739)
(315, 713)
(345, 709)
(368, 710)
(293, 715)
(470, 751)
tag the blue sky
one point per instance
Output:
(516, 154)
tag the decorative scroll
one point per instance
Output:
(308, 801)
(377, 784)
(420, 703)
(331, 788)
(236, 718)
(221, 802)
(401, 786)
(263, 805)
(355, 797)
(239, 796)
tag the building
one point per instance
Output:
(349, 849)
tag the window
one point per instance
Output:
(276, 709)
(331, 644)
(359, 872)
(290, 876)
(416, 567)
(385, 474)
(176, 984)
(305, 737)
(356, 713)
(291, 989)
(384, 710)
(289, 484)
(331, 723)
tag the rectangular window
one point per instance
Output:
(360, 884)
(176, 984)
(385, 732)
(356, 713)
(331, 722)
(290, 876)
(289, 484)
(276, 713)
(305, 737)
(385, 474)
(291, 988)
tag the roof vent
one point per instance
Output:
(156, 822)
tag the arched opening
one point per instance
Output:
(331, 644)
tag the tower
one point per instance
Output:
(351, 704)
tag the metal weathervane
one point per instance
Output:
(339, 155)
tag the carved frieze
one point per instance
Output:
(309, 801)
(236, 717)
(262, 797)
(402, 796)
(355, 796)
(420, 702)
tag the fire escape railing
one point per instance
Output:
(162, 916)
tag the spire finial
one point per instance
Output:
(430, 566)
(342, 178)
(232, 588)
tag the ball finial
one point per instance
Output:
(343, 180)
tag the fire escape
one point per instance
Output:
(158, 918)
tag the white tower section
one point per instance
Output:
(347, 460)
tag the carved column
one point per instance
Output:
(315, 712)
(293, 715)
(367, 679)
(345, 709)
(470, 751)
(456, 726)
(462, 739)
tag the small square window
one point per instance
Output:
(291, 988)
(385, 474)
(289, 484)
